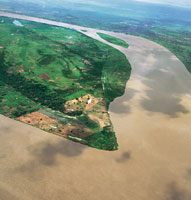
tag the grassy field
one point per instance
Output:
(60, 81)
(113, 40)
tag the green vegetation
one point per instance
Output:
(104, 138)
(113, 40)
(113, 79)
(84, 30)
(166, 25)
(42, 67)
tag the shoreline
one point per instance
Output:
(152, 124)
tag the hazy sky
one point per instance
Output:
(181, 3)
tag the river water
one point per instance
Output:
(152, 124)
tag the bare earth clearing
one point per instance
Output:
(152, 121)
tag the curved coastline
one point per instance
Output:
(152, 122)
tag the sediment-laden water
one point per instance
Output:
(152, 124)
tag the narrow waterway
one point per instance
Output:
(152, 124)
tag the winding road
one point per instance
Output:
(152, 121)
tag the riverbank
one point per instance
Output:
(152, 122)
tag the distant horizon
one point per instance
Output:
(113, 3)
(175, 3)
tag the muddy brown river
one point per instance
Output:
(152, 121)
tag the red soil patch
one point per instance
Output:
(38, 119)
(20, 70)
(44, 77)
(47, 123)
(75, 131)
